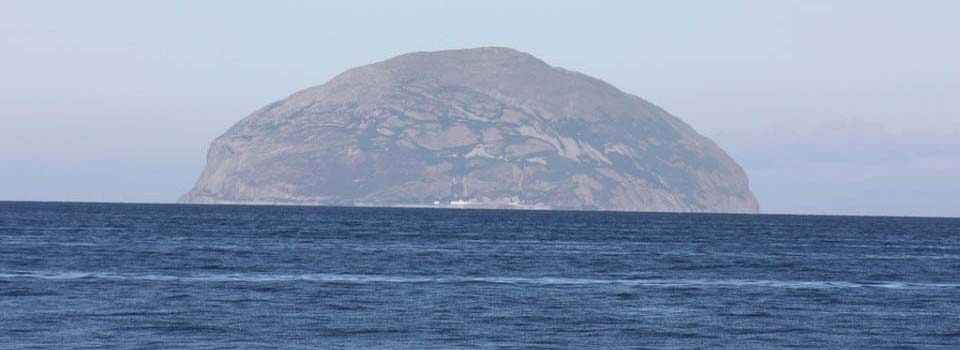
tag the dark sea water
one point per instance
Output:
(229, 277)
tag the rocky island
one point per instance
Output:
(486, 127)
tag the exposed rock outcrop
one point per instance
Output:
(485, 127)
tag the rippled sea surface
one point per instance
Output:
(208, 277)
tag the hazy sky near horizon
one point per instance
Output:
(832, 107)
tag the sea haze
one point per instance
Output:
(200, 277)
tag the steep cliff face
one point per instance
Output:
(486, 127)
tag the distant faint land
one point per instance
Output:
(485, 127)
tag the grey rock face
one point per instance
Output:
(486, 127)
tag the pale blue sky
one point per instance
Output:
(836, 107)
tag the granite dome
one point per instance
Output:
(484, 127)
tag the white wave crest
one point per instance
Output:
(363, 278)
